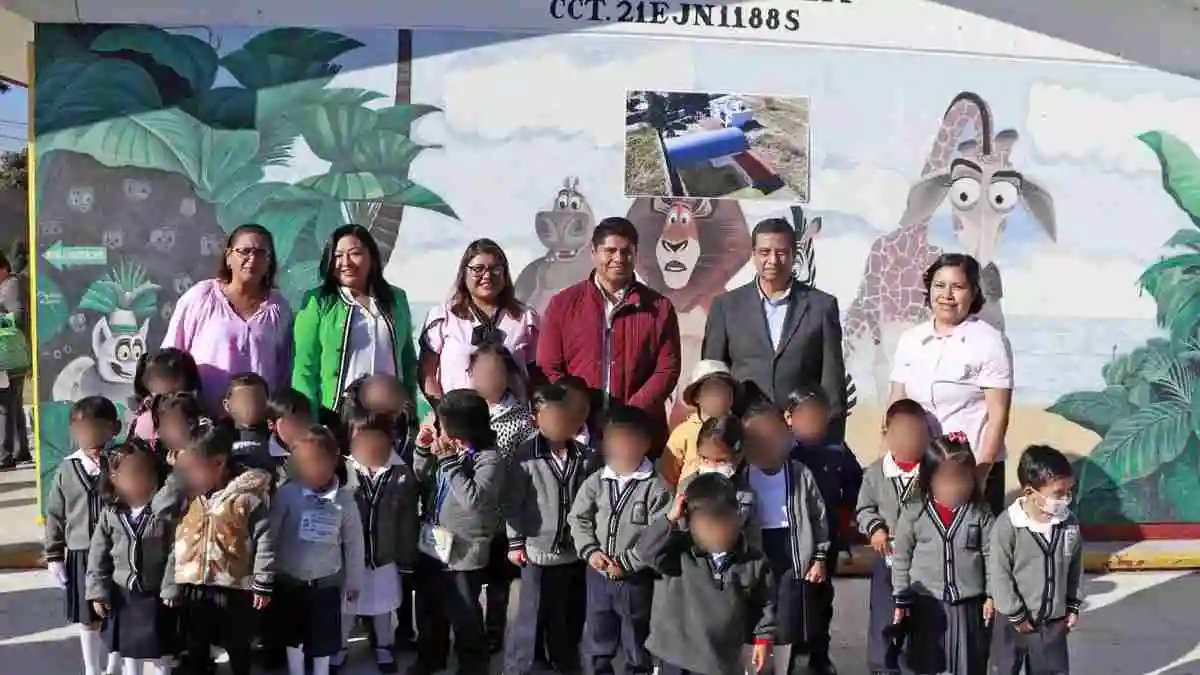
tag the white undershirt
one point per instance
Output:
(370, 341)
(771, 493)
(641, 473)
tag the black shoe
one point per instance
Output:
(495, 646)
(819, 664)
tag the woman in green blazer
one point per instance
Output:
(354, 324)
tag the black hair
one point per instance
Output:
(905, 406)
(574, 383)
(330, 290)
(726, 429)
(630, 419)
(970, 268)
(225, 274)
(757, 407)
(464, 414)
(548, 396)
(614, 226)
(212, 440)
(711, 494)
(460, 303)
(95, 408)
(516, 379)
(368, 421)
(774, 226)
(1041, 464)
(287, 402)
(185, 402)
(805, 395)
(132, 446)
(952, 447)
(166, 363)
(4, 264)
(248, 380)
(321, 436)
(352, 405)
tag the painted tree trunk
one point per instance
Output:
(386, 227)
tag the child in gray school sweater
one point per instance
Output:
(1036, 569)
(939, 565)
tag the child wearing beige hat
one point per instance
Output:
(711, 394)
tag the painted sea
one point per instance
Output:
(1052, 356)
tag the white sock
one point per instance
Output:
(295, 659)
(320, 665)
(113, 666)
(160, 667)
(385, 630)
(132, 666)
(93, 649)
(781, 655)
(347, 628)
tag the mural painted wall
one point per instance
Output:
(1065, 178)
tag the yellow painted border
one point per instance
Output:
(34, 256)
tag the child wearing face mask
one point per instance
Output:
(1036, 569)
(888, 485)
(939, 565)
(795, 530)
(719, 451)
(711, 394)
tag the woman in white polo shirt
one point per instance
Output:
(959, 368)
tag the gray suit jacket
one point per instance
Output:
(810, 349)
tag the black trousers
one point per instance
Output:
(1042, 652)
(448, 600)
(224, 617)
(993, 489)
(883, 639)
(500, 575)
(549, 615)
(14, 439)
(618, 618)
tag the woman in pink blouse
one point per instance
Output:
(483, 308)
(237, 322)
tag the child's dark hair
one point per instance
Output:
(321, 437)
(575, 383)
(516, 378)
(287, 402)
(805, 395)
(212, 440)
(463, 413)
(185, 403)
(248, 380)
(548, 396)
(369, 421)
(132, 446)
(759, 406)
(95, 408)
(905, 406)
(166, 363)
(1041, 464)
(351, 403)
(630, 419)
(952, 447)
(725, 429)
(711, 494)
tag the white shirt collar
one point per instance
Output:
(765, 298)
(275, 448)
(136, 512)
(644, 471)
(393, 460)
(503, 406)
(370, 306)
(1019, 518)
(90, 466)
(892, 470)
(584, 437)
(328, 496)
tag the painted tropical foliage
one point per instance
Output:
(153, 144)
(1144, 470)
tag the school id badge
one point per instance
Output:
(320, 526)
(436, 542)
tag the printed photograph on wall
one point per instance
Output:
(152, 144)
(716, 145)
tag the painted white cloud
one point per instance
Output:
(546, 90)
(1076, 125)
(380, 78)
(876, 195)
(304, 163)
(1062, 283)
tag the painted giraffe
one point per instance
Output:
(972, 167)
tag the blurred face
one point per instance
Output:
(314, 464)
(249, 257)
(202, 474)
(159, 385)
(485, 277)
(716, 457)
(1054, 498)
(624, 449)
(906, 436)
(581, 407)
(715, 533)
(767, 441)
(950, 295)
(557, 422)
(715, 398)
(773, 256)
(352, 263)
(134, 479)
(613, 260)
(290, 427)
(809, 423)
(173, 428)
(952, 484)
(247, 405)
(383, 395)
(92, 434)
(371, 447)
(489, 377)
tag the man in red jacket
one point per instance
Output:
(620, 336)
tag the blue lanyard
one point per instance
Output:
(443, 490)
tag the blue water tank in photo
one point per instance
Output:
(698, 147)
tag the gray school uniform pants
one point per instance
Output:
(549, 618)
(618, 618)
(1042, 652)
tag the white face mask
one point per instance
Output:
(1055, 508)
(726, 469)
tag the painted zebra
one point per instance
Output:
(804, 269)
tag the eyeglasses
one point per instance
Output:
(247, 252)
(478, 271)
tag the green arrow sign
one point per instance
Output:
(75, 256)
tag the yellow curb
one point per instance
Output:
(1096, 561)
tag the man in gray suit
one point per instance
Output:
(777, 332)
